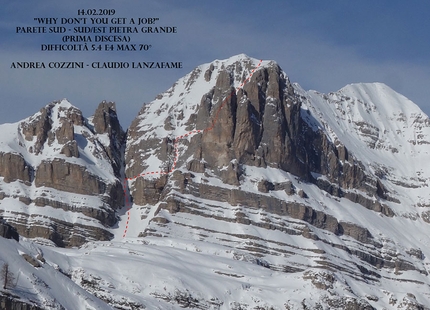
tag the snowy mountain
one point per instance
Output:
(240, 190)
(60, 179)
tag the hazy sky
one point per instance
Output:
(321, 45)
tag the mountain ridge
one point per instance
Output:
(301, 185)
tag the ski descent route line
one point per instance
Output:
(175, 147)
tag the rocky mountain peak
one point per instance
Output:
(53, 124)
(236, 132)
(106, 124)
(249, 114)
(57, 153)
(105, 119)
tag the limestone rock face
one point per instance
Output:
(13, 167)
(7, 231)
(59, 161)
(37, 126)
(70, 149)
(105, 121)
(53, 123)
(260, 125)
(68, 177)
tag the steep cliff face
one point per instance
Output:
(60, 174)
(7, 231)
(259, 124)
(106, 125)
(233, 152)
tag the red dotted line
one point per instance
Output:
(175, 146)
(127, 223)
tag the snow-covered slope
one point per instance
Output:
(42, 284)
(386, 131)
(178, 274)
(380, 125)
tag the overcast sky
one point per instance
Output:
(321, 45)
